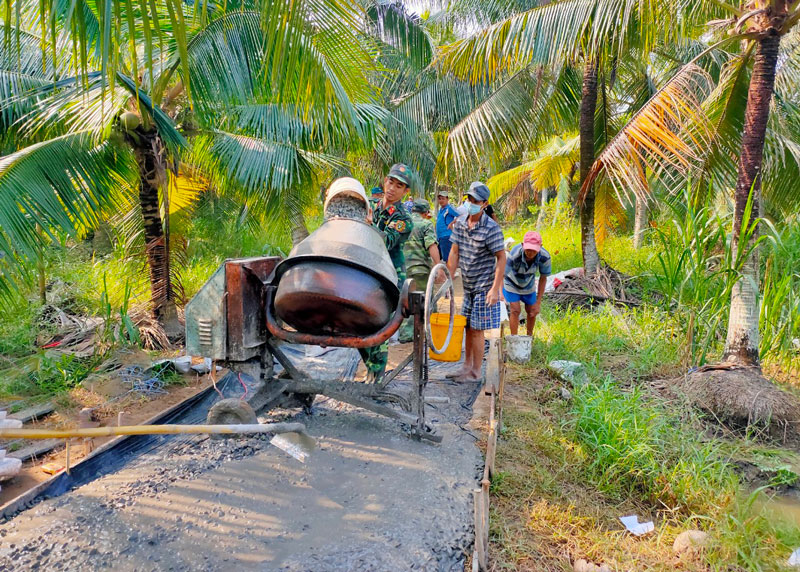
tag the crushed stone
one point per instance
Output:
(369, 498)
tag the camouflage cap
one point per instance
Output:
(401, 172)
(421, 206)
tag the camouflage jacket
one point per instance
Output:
(395, 224)
(423, 235)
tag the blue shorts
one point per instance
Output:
(511, 297)
(479, 315)
(444, 247)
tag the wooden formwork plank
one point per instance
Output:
(501, 365)
(492, 367)
(480, 560)
(495, 377)
(491, 449)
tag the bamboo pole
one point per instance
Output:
(152, 430)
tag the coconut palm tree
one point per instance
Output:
(257, 108)
(528, 45)
(552, 169)
(732, 140)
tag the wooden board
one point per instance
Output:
(38, 449)
(33, 413)
(493, 367)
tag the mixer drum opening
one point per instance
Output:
(330, 298)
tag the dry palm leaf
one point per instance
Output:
(665, 136)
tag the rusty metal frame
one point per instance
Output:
(372, 397)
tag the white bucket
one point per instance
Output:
(518, 348)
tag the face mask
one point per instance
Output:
(473, 209)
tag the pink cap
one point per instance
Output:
(532, 241)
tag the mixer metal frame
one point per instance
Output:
(238, 308)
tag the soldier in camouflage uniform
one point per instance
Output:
(421, 253)
(376, 196)
(390, 217)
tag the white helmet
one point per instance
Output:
(347, 186)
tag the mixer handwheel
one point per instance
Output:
(433, 294)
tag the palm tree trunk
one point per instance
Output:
(591, 258)
(149, 152)
(742, 341)
(640, 222)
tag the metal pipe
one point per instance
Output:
(152, 430)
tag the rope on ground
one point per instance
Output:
(136, 377)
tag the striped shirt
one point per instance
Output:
(520, 274)
(476, 251)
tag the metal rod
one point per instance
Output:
(400, 367)
(152, 430)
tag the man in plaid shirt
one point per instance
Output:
(479, 252)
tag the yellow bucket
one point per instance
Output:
(439, 325)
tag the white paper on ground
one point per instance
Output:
(635, 527)
(794, 559)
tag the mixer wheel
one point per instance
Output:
(232, 411)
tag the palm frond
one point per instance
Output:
(60, 185)
(654, 137)
(723, 113)
(509, 180)
(231, 65)
(500, 123)
(271, 174)
(402, 32)
(544, 35)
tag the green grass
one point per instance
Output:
(47, 374)
(645, 450)
(563, 242)
(636, 343)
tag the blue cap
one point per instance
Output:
(376, 191)
(479, 191)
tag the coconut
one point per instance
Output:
(130, 120)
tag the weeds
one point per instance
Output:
(752, 537)
(127, 333)
(644, 450)
(48, 374)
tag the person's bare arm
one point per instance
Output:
(539, 293)
(452, 261)
(433, 249)
(499, 269)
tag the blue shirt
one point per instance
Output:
(447, 214)
(477, 247)
(520, 274)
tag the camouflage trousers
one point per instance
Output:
(406, 331)
(376, 357)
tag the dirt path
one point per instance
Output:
(369, 498)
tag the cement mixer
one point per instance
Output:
(337, 288)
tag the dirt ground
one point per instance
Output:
(369, 498)
(135, 410)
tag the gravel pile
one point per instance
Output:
(346, 207)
